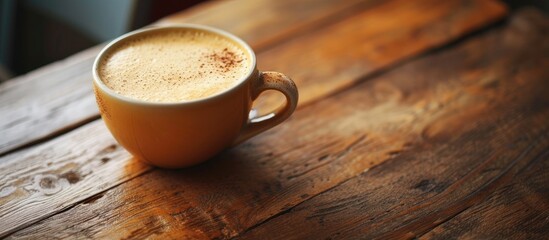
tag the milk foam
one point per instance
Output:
(174, 66)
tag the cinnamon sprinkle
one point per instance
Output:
(226, 59)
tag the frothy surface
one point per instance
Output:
(174, 66)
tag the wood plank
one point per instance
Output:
(264, 22)
(47, 101)
(485, 162)
(12, 204)
(400, 200)
(58, 97)
(370, 124)
(516, 210)
(339, 55)
(30, 114)
(57, 167)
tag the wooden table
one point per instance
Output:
(423, 118)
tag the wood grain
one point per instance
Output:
(115, 175)
(47, 102)
(264, 23)
(518, 209)
(339, 55)
(66, 169)
(438, 122)
(30, 216)
(58, 97)
(477, 172)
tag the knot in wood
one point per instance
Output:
(48, 184)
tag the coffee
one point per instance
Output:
(180, 64)
(173, 66)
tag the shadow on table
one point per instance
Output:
(219, 193)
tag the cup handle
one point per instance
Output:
(270, 81)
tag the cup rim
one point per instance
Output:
(99, 83)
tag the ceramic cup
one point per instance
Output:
(175, 135)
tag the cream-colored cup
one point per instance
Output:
(174, 135)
